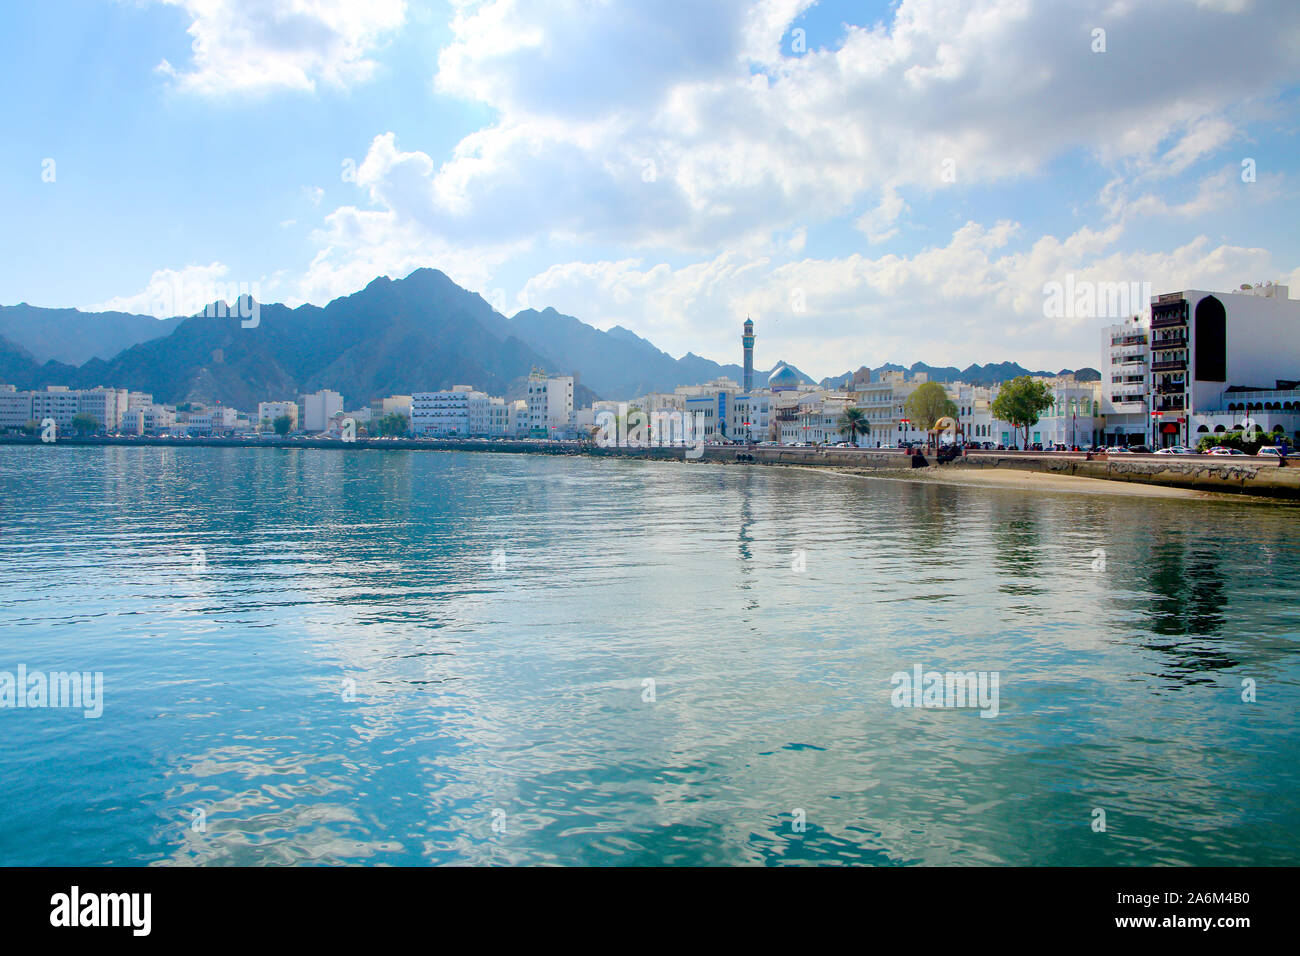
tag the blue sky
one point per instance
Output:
(897, 182)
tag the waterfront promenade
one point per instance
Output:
(1245, 475)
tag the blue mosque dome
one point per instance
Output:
(783, 379)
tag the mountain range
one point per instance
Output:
(990, 374)
(420, 333)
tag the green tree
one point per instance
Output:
(927, 404)
(32, 427)
(282, 425)
(1021, 401)
(393, 424)
(84, 424)
(853, 421)
(1236, 440)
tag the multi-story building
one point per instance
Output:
(1125, 381)
(393, 404)
(268, 412)
(1204, 343)
(883, 409)
(15, 407)
(318, 408)
(1274, 412)
(104, 405)
(442, 414)
(550, 404)
(148, 420)
(218, 420)
(814, 419)
(517, 425)
(489, 416)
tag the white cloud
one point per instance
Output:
(141, 303)
(745, 140)
(691, 131)
(185, 291)
(971, 300)
(243, 46)
(356, 245)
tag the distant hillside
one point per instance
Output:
(617, 363)
(74, 337)
(990, 374)
(392, 337)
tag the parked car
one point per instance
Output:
(1175, 450)
(1270, 451)
(1221, 450)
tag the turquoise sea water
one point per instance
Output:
(315, 656)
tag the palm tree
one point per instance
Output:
(854, 420)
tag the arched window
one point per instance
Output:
(1203, 429)
(1210, 329)
(1219, 428)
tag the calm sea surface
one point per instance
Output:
(312, 656)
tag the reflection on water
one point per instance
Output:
(312, 657)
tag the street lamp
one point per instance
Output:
(904, 422)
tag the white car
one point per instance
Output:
(1220, 450)
(1270, 451)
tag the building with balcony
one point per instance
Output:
(1203, 344)
(1125, 382)
(550, 405)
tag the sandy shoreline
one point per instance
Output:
(1018, 480)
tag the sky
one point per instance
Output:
(868, 181)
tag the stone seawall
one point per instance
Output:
(1235, 475)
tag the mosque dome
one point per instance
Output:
(783, 379)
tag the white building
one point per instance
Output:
(219, 420)
(550, 404)
(318, 408)
(148, 420)
(442, 414)
(1203, 344)
(1125, 381)
(268, 412)
(489, 416)
(62, 404)
(15, 407)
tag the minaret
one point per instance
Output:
(747, 340)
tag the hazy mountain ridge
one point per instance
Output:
(74, 337)
(419, 333)
(990, 374)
